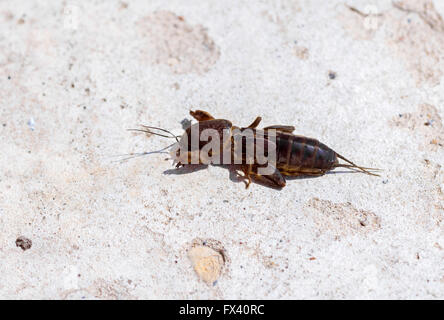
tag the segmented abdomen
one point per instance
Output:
(297, 153)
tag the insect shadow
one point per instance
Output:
(233, 171)
(189, 168)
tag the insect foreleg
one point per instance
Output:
(201, 115)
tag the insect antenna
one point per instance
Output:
(147, 130)
(133, 155)
(351, 165)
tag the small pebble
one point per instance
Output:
(23, 243)
(207, 263)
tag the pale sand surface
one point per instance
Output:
(75, 75)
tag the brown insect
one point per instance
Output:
(294, 155)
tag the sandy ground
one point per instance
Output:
(364, 77)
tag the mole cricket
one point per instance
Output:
(265, 155)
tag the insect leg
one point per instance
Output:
(274, 180)
(247, 169)
(313, 172)
(255, 123)
(288, 129)
(200, 115)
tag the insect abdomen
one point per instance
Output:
(297, 153)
